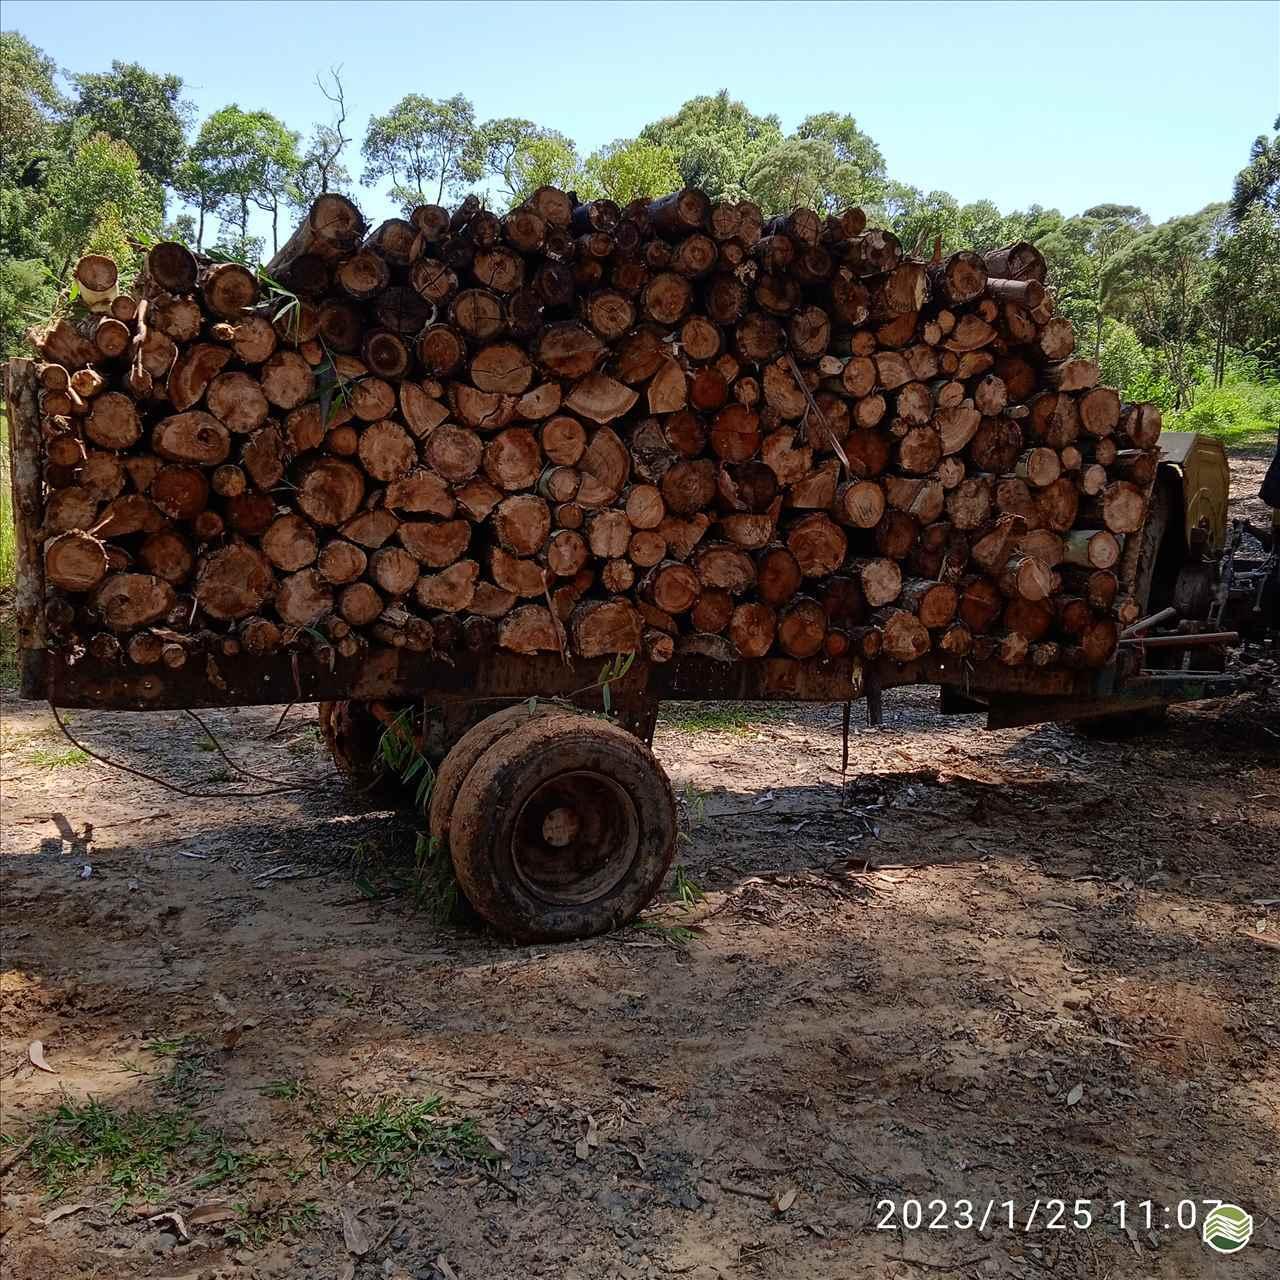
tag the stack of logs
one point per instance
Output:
(582, 429)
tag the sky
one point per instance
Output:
(1066, 105)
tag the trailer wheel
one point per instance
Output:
(564, 828)
(468, 749)
(353, 734)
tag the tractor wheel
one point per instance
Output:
(353, 735)
(467, 750)
(563, 828)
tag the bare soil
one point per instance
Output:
(1001, 966)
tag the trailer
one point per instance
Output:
(498, 486)
(559, 820)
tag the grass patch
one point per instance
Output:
(676, 935)
(69, 758)
(8, 647)
(132, 1154)
(288, 1091)
(711, 717)
(687, 890)
(146, 1155)
(387, 1134)
(267, 1223)
(421, 872)
(1242, 414)
(305, 743)
(183, 1074)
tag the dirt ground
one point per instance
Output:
(1014, 966)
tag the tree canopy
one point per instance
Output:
(716, 141)
(428, 148)
(136, 106)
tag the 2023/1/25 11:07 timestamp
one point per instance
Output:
(1040, 1214)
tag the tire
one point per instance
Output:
(353, 735)
(564, 828)
(467, 750)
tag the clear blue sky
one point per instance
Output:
(1064, 104)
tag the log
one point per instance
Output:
(330, 491)
(879, 577)
(303, 599)
(818, 544)
(903, 636)
(1099, 410)
(460, 389)
(934, 603)
(394, 570)
(981, 603)
(1140, 426)
(172, 267)
(75, 561)
(801, 628)
(671, 586)
(1122, 507)
(1091, 548)
(370, 528)
(229, 289)
(960, 279)
(340, 562)
(359, 604)
(333, 226)
(1027, 577)
(1039, 467)
(1020, 261)
(521, 523)
(233, 583)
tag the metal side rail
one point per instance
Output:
(1137, 693)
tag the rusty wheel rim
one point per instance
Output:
(575, 838)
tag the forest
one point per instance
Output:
(1185, 313)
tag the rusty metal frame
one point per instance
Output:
(385, 673)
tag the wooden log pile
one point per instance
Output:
(668, 428)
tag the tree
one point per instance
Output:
(239, 158)
(181, 228)
(100, 201)
(716, 141)
(320, 167)
(201, 188)
(1244, 290)
(421, 144)
(1259, 181)
(856, 171)
(551, 160)
(504, 143)
(30, 104)
(628, 168)
(815, 170)
(27, 286)
(1159, 283)
(918, 219)
(981, 227)
(137, 106)
(278, 184)
(1080, 253)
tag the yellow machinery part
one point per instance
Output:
(1206, 479)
